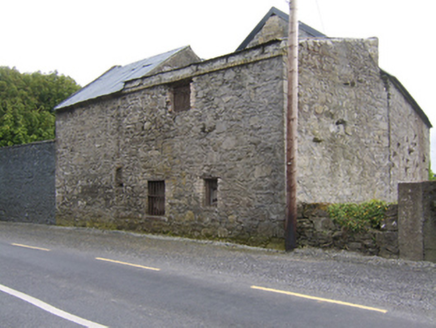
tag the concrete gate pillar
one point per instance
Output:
(417, 220)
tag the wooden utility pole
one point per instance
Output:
(291, 131)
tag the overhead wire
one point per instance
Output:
(320, 17)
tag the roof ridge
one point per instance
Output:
(162, 54)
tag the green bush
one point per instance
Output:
(358, 217)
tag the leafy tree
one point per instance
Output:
(27, 102)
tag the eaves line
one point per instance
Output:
(196, 70)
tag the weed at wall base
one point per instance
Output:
(358, 217)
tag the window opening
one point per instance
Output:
(211, 186)
(182, 96)
(156, 198)
(119, 177)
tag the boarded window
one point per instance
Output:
(182, 96)
(156, 198)
(211, 188)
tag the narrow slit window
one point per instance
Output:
(182, 96)
(211, 186)
(119, 177)
(156, 198)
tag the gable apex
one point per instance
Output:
(305, 30)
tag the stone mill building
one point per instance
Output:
(175, 144)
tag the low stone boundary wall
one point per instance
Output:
(27, 183)
(316, 229)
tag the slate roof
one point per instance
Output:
(113, 80)
(408, 97)
(276, 12)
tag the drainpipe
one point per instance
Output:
(291, 131)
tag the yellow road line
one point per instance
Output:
(32, 247)
(129, 264)
(319, 299)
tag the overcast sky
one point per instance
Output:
(84, 38)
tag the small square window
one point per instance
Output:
(156, 198)
(211, 188)
(182, 96)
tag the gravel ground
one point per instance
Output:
(406, 289)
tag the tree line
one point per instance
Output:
(26, 104)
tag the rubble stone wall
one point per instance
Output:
(410, 141)
(343, 124)
(233, 132)
(358, 135)
(316, 229)
(108, 150)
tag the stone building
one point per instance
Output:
(174, 144)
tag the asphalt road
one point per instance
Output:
(66, 277)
